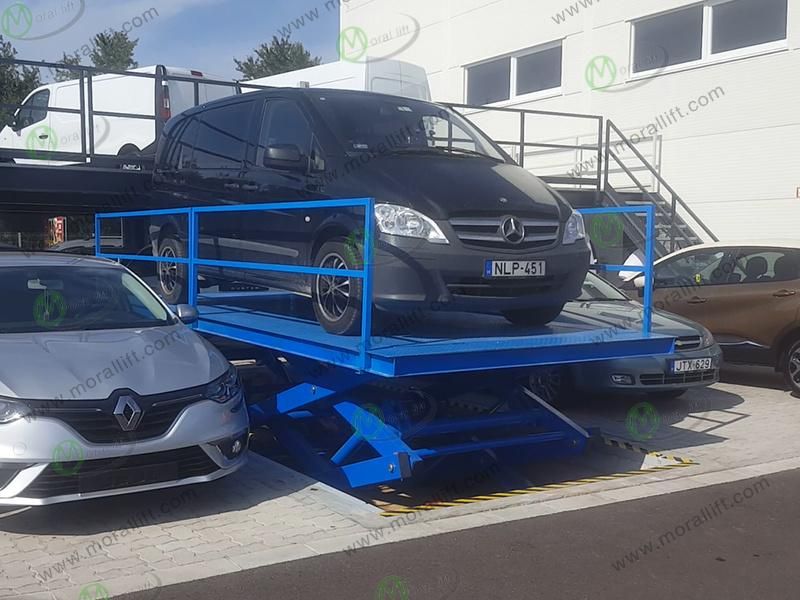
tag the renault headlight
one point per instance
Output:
(226, 388)
(575, 229)
(11, 411)
(406, 222)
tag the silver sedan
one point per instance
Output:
(103, 390)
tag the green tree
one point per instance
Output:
(279, 56)
(15, 82)
(112, 51)
(64, 75)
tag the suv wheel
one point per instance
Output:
(534, 317)
(172, 276)
(791, 368)
(337, 300)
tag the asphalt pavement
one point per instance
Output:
(738, 540)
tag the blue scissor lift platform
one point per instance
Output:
(366, 386)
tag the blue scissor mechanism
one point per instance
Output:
(374, 409)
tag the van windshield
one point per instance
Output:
(385, 125)
(37, 299)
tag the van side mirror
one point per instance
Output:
(187, 314)
(285, 156)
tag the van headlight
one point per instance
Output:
(11, 411)
(575, 229)
(406, 222)
(226, 388)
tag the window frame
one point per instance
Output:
(314, 146)
(514, 97)
(245, 143)
(729, 253)
(707, 57)
(743, 251)
(27, 105)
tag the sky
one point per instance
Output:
(198, 34)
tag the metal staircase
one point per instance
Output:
(610, 180)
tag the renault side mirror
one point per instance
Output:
(187, 314)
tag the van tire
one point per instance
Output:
(172, 276)
(337, 300)
(791, 367)
(534, 317)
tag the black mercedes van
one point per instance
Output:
(459, 225)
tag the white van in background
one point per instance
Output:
(36, 129)
(384, 76)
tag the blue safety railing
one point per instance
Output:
(647, 268)
(194, 262)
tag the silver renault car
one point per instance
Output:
(103, 389)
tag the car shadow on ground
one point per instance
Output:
(258, 482)
(660, 424)
(752, 375)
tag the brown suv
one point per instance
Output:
(748, 295)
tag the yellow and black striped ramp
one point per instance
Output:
(628, 446)
(676, 464)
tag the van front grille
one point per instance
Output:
(487, 232)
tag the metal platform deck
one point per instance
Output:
(342, 417)
(431, 343)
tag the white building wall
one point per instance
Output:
(736, 161)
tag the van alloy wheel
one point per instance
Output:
(333, 292)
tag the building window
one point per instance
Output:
(524, 73)
(669, 39)
(489, 82)
(705, 30)
(743, 23)
(539, 71)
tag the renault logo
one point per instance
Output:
(513, 230)
(128, 413)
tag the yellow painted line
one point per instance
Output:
(466, 501)
(537, 489)
(593, 480)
